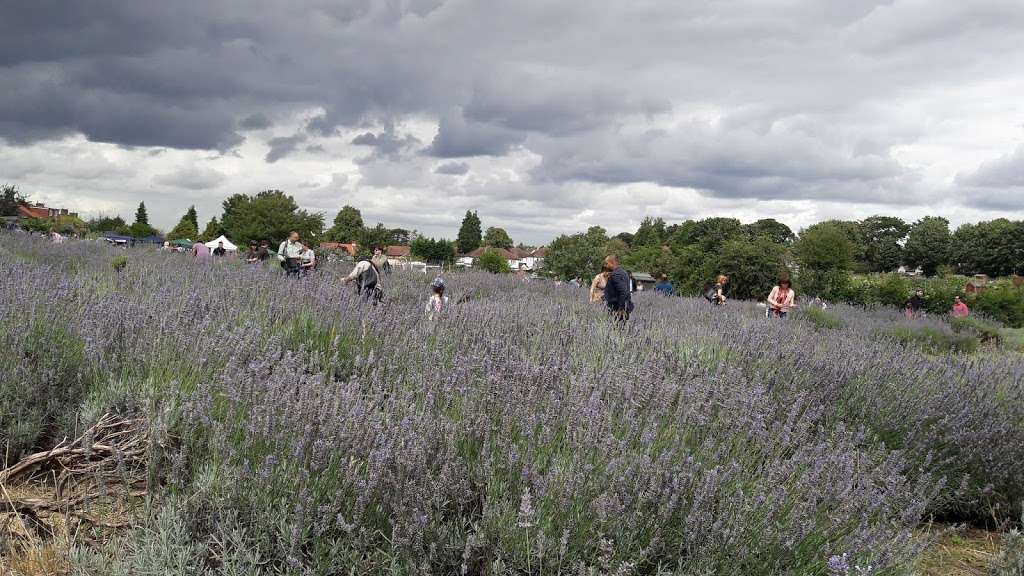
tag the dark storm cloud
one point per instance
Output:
(798, 99)
(997, 184)
(282, 146)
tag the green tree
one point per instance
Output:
(825, 253)
(101, 224)
(882, 237)
(928, 244)
(995, 247)
(10, 199)
(753, 267)
(347, 225)
(497, 238)
(708, 234)
(470, 235)
(142, 230)
(192, 217)
(650, 233)
(825, 246)
(141, 216)
(769, 229)
(269, 215)
(577, 255)
(213, 230)
(185, 228)
(431, 250)
(492, 261)
(379, 235)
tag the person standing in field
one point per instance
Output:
(290, 254)
(916, 303)
(597, 285)
(960, 309)
(252, 256)
(200, 252)
(664, 287)
(438, 302)
(617, 290)
(780, 300)
(219, 251)
(263, 253)
(716, 293)
(366, 275)
(308, 259)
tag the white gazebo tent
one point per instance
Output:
(228, 245)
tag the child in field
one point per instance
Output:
(438, 302)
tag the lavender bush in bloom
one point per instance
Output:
(518, 432)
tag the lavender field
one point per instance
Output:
(294, 429)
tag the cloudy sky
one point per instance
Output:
(545, 116)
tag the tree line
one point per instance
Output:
(821, 258)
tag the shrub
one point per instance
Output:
(987, 332)
(933, 340)
(492, 262)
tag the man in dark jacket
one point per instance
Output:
(617, 291)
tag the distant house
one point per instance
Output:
(517, 258)
(644, 280)
(349, 249)
(40, 211)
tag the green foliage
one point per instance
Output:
(186, 228)
(928, 244)
(493, 262)
(653, 259)
(10, 199)
(771, 230)
(707, 234)
(141, 216)
(213, 230)
(819, 318)
(1010, 561)
(119, 263)
(497, 238)
(1003, 302)
(431, 250)
(62, 224)
(651, 233)
(881, 237)
(107, 224)
(577, 255)
(347, 225)
(825, 247)
(269, 215)
(379, 235)
(470, 235)
(995, 248)
(192, 217)
(141, 230)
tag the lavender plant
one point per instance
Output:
(518, 432)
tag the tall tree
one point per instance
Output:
(707, 234)
(108, 224)
(213, 230)
(995, 247)
(141, 216)
(192, 217)
(269, 215)
(10, 199)
(928, 244)
(577, 255)
(497, 238)
(470, 234)
(825, 246)
(650, 233)
(882, 237)
(431, 250)
(770, 229)
(347, 225)
(185, 229)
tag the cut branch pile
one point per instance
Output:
(88, 476)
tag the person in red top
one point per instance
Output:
(960, 309)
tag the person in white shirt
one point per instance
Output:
(438, 302)
(367, 278)
(308, 259)
(290, 254)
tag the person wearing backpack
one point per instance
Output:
(618, 290)
(715, 294)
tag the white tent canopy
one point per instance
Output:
(228, 245)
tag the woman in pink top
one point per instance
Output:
(780, 300)
(960, 310)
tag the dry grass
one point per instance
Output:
(966, 552)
